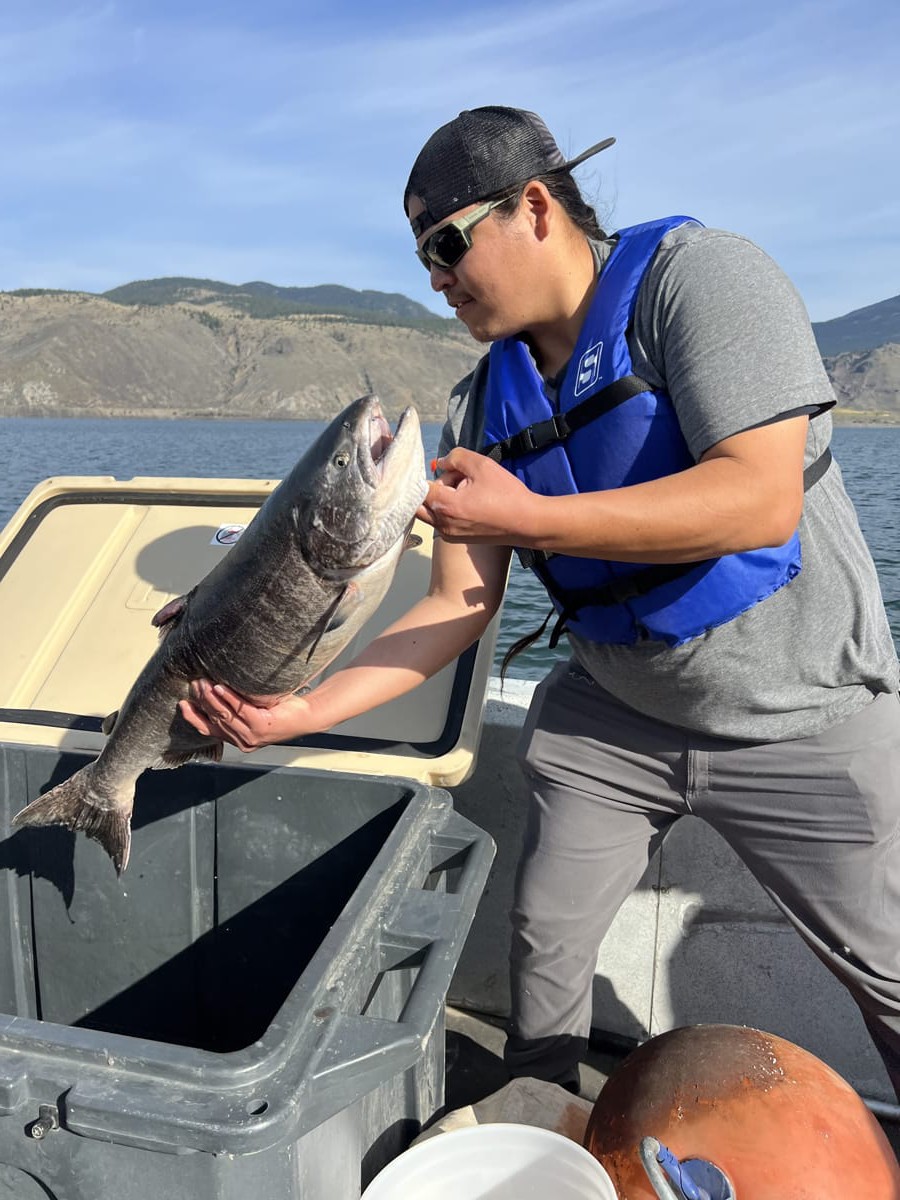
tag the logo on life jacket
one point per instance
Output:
(588, 368)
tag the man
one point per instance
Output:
(647, 429)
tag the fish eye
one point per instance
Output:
(341, 459)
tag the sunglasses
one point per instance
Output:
(446, 246)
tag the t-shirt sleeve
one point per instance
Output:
(726, 334)
(465, 413)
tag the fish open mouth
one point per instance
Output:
(380, 433)
(380, 447)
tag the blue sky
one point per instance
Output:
(272, 140)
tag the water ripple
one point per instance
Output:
(33, 450)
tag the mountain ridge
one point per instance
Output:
(865, 328)
(73, 354)
(181, 346)
(266, 300)
(862, 329)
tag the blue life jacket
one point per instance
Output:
(610, 429)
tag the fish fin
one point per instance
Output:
(69, 804)
(341, 609)
(413, 541)
(178, 758)
(169, 615)
(333, 618)
(108, 724)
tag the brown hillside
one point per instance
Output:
(81, 355)
(867, 384)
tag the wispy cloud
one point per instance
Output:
(273, 141)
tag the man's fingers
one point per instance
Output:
(216, 700)
(242, 736)
(216, 711)
(449, 477)
(457, 459)
(224, 693)
(236, 733)
(195, 717)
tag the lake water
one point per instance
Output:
(35, 449)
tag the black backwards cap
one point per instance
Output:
(482, 153)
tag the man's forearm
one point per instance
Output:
(417, 646)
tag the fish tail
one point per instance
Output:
(74, 804)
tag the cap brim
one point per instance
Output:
(573, 162)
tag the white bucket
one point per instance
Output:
(494, 1162)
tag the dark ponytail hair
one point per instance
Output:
(563, 188)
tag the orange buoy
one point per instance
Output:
(775, 1120)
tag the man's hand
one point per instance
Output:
(216, 711)
(477, 500)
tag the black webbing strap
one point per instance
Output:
(629, 587)
(817, 469)
(619, 590)
(558, 427)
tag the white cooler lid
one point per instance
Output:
(87, 561)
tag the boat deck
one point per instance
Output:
(474, 1067)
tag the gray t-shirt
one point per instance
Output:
(720, 328)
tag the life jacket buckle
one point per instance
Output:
(541, 434)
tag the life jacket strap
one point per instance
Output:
(558, 427)
(629, 587)
(817, 469)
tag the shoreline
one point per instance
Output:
(840, 419)
(391, 413)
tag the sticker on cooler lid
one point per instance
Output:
(227, 535)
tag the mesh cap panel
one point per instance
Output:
(482, 153)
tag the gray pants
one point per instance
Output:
(817, 821)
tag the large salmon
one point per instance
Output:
(309, 570)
